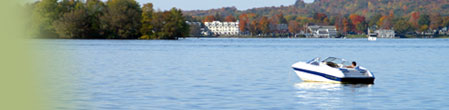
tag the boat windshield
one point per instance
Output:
(335, 60)
(317, 59)
(347, 63)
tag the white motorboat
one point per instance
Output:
(372, 36)
(332, 69)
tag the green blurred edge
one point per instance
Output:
(21, 79)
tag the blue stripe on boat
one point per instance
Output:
(330, 77)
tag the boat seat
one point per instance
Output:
(332, 64)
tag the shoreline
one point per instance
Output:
(232, 38)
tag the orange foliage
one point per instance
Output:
(230, 18)
(414, 19)
(356, 19)
(209, 18)
(243, 21)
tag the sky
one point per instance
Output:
(210, 4)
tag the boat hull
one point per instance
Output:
(311, 73)
(369, 80)
(311, 76)
(372, 38)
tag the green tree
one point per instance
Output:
(79, 20)
(66, 6)
(218, 17)
(147, 18)
(424, 20)
(169, 25)
(402, 26)
(176, 25)
(44, 14)
(121, 20)
(73, 24)
(195, 30)
(94, 9)
(157, 24)
(347, 26)
(373, 21)
(445, 21)
(361, 27)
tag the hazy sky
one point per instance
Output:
(209, 4)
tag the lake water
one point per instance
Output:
(247, 74)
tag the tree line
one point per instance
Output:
(112, 19)
(349, 16)
(346, 24)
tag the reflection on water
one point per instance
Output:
(327, 95)
(328, 86)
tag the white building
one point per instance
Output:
(323, 31)
(222, 28)
(381, 33)
(385, 33)
(444, 31)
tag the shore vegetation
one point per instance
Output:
(112, 19)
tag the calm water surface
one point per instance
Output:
(247, 74)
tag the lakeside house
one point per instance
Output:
(444, 31)
(221, 28)
(381, 33)
(385, 33)
(322, 31)
(218, 28)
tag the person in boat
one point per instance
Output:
(354, 64)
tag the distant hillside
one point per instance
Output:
(406, 17)
(366, 8)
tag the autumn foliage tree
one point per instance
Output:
(320, 17)
(347, 26)
(253, 27)
(230, 18)
(413, 20)
(264, 25)
(243, 22)
(294, 27)
(358, 22)
(209, 18)
(435, 21)
(385, 22)
(246, 22)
